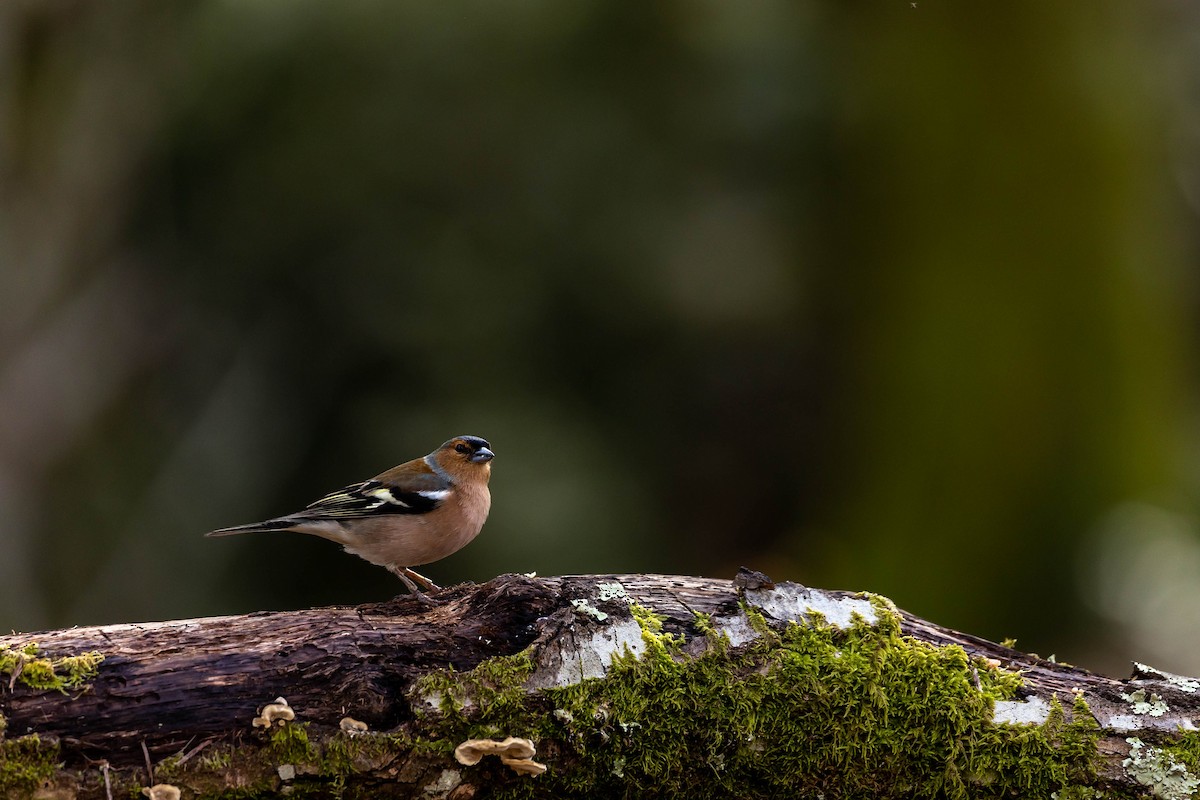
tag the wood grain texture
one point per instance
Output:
(169, 686)
(170, 682)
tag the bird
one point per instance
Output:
(413, 514)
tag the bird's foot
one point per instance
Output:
(404, 573)
(427, 584)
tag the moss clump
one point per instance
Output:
(46, 674)
(290, 744)
(1187, 750)
(324, 760)
(802, 710)
(25, 763)
(215, 761)
(999, 684)
(704, 625)
(493, 691)
(651, 624)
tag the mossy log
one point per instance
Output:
(626, 685)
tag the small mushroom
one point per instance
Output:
(352, 727)
(279, 710)
(472, 751)
(161, 791)
(523, 766)
(515, 753)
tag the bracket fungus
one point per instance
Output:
(161, 791)
(515, 753)
(279, 710)
(352, 727)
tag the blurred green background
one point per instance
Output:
(889, 296)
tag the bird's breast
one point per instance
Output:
(409, 540)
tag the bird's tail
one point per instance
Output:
(281, 524)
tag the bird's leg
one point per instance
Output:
(429, 585)
(399, 572)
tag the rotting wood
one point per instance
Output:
(171, 688)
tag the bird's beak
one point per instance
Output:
(483, 455)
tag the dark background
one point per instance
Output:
(871, 295)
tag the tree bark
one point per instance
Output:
(178, 699)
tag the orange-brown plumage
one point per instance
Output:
(416, 513)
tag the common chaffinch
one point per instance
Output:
(413, 514)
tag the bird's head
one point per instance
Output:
(466, 454)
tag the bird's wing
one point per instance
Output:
(412, 493)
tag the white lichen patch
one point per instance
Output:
(447, 782)
(1142, 703)
(588, 653)
(433, 700)
(612, 591)
(1125, 723)
(1157, 769)
(1180, 682)
(584, 606)
(791, 602)
(1031, 711)
(596, 653)
(1122, 722)
(737, 629)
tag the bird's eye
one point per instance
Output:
(462, 448)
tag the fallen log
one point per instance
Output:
(597, 686)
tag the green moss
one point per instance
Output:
(338, 757)
(493, 691)
(802, 710)
(650, 623)
(46, 674)
(1000, 684)
(78, 670)
(341, 756)
(290, 744)
(25, 763)
(167, 770)
(1080, 793)
(214, 761)
(1187, 750)
(758, 623)
(704, 624)
(325, 760)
